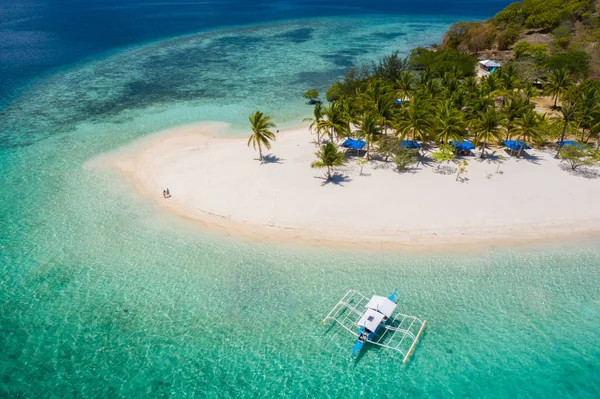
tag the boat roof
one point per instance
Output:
(382, 305)
(370, 319)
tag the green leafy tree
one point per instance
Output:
(576, 157)
(311, 95)
(445, 153)
(329, 157)
(388, 146)
(262, 135)
(405, 157)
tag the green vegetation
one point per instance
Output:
(440, 103)
(405, 157)
(576, 157)
(261, 133)
(571, 26)
(433, 96)
(445, 153)
(328, 157)
(312, 95)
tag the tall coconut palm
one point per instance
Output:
(529, 91)
(449, 124)
(369, 129)
(567, 110)
(328, 157)
(378, 98)
(261, 126)
(587, 102)
(509, 78)
(415, 119)
(334, 123)
(512, 110)
(558, 83)
(314, 121)
(527, 128)
(404, 85)
(486, 128)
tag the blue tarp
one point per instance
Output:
(409, 144)
(353, 144)
(466, 145)
(397, 101)
(515, 145)
(570, 142)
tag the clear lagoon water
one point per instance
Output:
(101, 295)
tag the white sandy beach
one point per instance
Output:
(220, 183)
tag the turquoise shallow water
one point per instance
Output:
(102, 296)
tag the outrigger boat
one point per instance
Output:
(376, 323)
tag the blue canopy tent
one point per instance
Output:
(515, 145)
(410, 144)
(570, 142)
(352, 144)
(464, 146)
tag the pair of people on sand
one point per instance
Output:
(166, 193)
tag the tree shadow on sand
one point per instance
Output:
(337, 178)
(533, 158)
(582, 171)
(270, 158)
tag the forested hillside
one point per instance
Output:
(540, 35)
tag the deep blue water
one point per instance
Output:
(39, 35)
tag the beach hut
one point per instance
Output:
(462, 147)
(489, 65)
(354, 145)
(410, 144)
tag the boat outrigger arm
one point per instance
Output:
(374, 321)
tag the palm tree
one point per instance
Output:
(511, 111)
(527, 128)
(404, 85)
(567, 110)
(328, 157)
(335, 123)
(314, 121)
(414, 119)
(378, 99)
(586, 106)
(261, 125)
(530, 91)
(558, 83)
(369, 128)
(486, 128)
(449, 124)
(510, 80)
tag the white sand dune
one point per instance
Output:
(220, 183)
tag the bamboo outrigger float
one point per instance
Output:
(373, 320)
